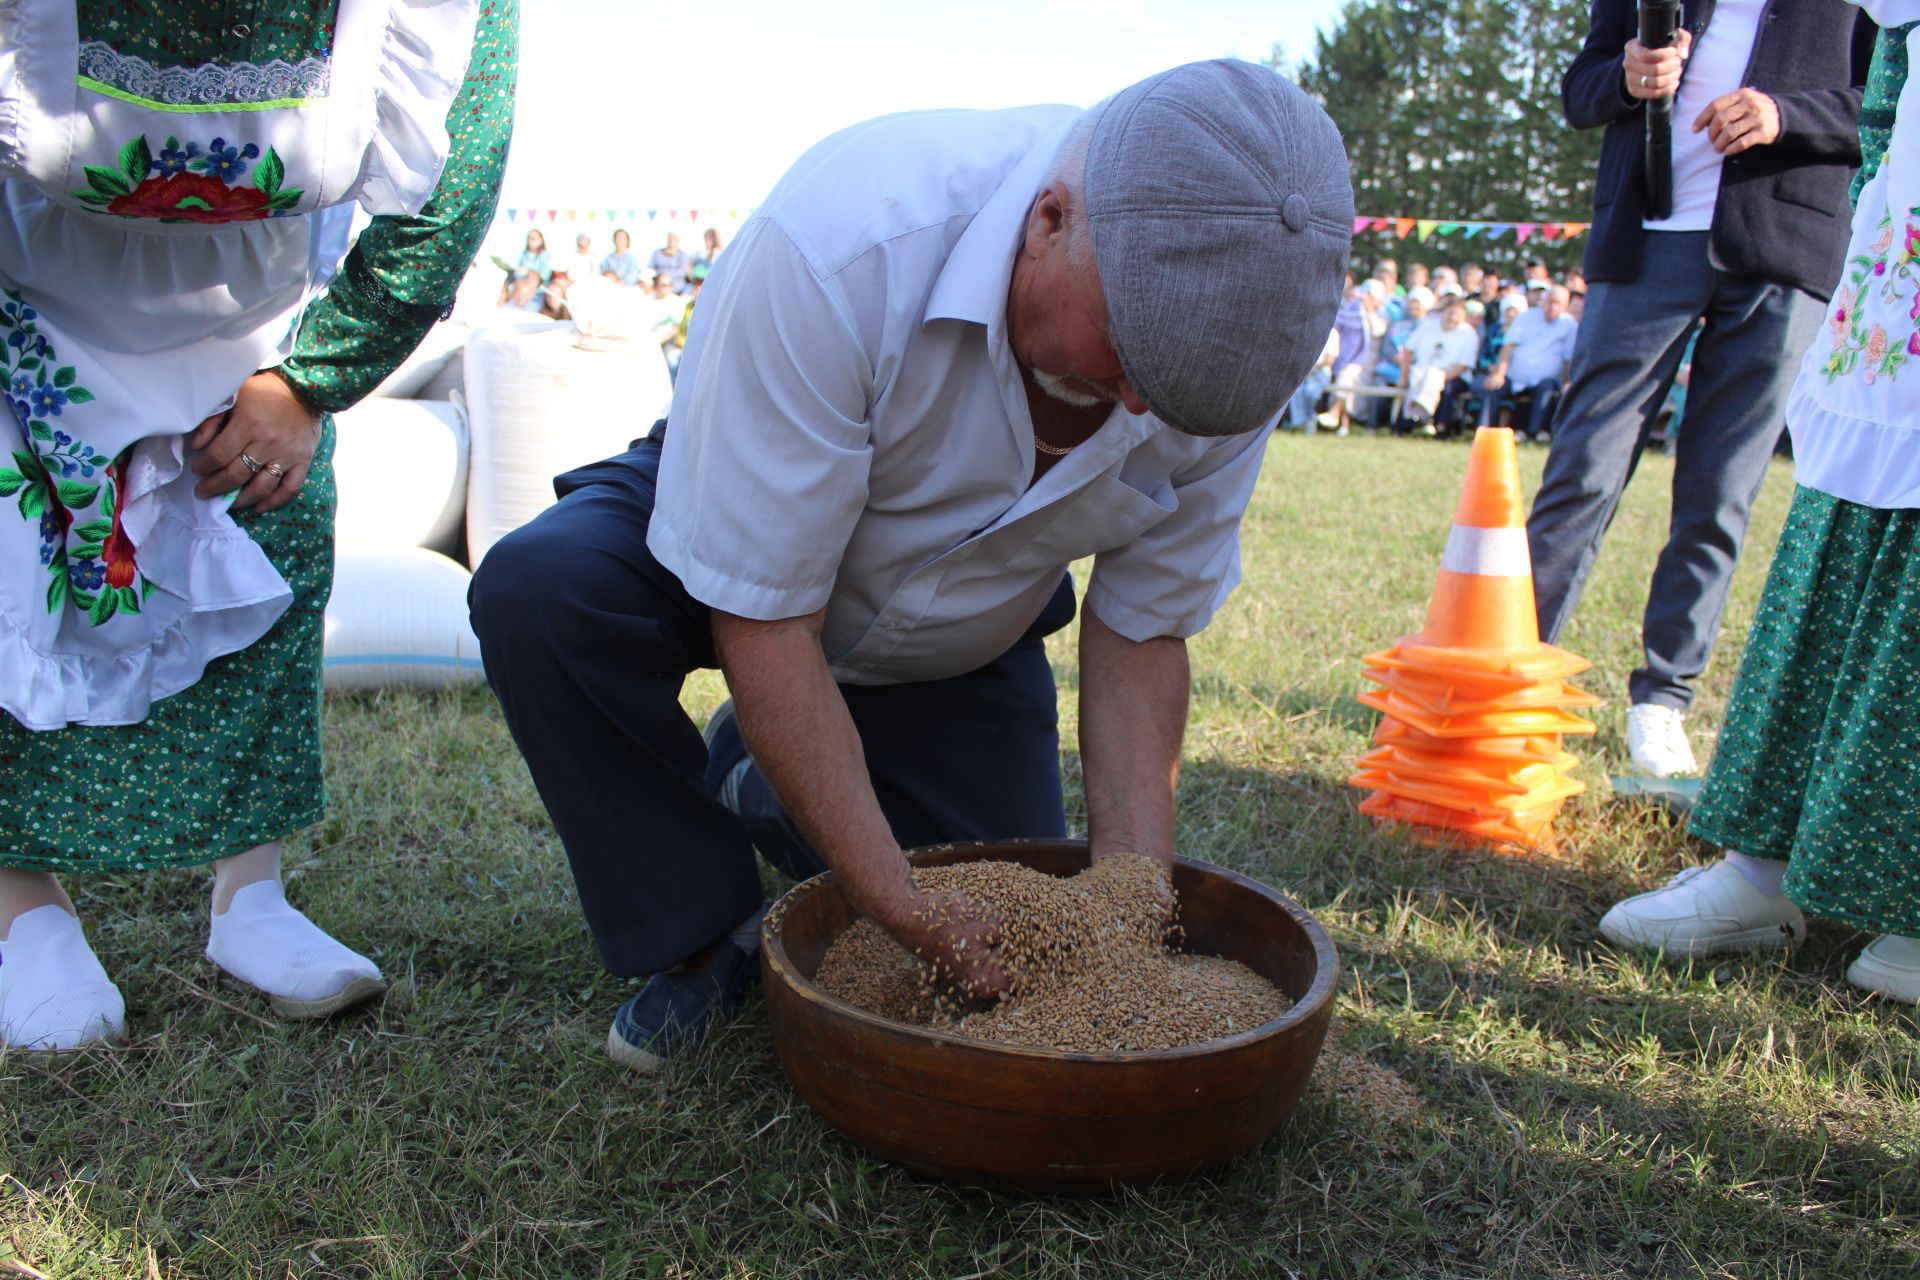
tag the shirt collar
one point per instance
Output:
(972, 286)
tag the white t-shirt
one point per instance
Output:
(1436, 347)
(1542, 348)
(850, 430)
(1717, 66)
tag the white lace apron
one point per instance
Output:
(160, 231)
(1855, 408)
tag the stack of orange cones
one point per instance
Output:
(1474, 709)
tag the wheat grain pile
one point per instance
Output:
(1087, 959)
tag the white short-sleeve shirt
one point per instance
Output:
(850, 431)
(1542, 348)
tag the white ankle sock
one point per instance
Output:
(1764, 874)
(53, 992)
(746, 935)
(261, 940)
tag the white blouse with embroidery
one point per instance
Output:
(160, 231)
(1854, 411)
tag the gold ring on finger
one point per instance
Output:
(276, 470)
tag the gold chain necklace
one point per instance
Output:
(1051, 450)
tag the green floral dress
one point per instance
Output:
(234, 761)
(1818, 762)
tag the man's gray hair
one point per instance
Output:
(1069, 168)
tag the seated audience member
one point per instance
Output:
(621, 266)
(554, 296)
(583, 265)
(663, 308)
(525, 293)
(1433, 366)
(1443, 274)
(1387, 272)
(1537, 270)
(1533, 363)
(1303, 410)
(1472, 274)
(1415, 310)
(711, 253)
(1360, 325)
(672, 261)
(1499, 318)
(534, 257)
(1418, 278)
(1415, 307)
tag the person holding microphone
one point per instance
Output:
(1764, 105)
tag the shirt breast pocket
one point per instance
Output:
(1108, 513)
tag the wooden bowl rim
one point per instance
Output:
(1318, 996)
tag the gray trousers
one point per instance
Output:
(1629, 348)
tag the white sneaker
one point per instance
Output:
(1657, 741)
(1890, 966)
(1704, 911)
(54, 996)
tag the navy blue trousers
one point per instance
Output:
(587, 640)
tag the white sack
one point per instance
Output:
(398, 619)
(538, 405)
(423, 374)
(401, 468)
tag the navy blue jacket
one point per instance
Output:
(1782, 212)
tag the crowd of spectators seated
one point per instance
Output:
(1448, 348)
(669, 280)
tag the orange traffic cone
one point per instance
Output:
(1474, 708)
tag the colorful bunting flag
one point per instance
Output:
(1422, 228)
(511, 213)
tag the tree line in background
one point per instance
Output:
(1451, 110)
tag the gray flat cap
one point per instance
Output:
(1222, 215)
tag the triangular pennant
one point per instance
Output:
(653, 215)
(1497, 229)
(733, 214)
(573, 215)
(1381, 224)
(533, 215)
(1573, 228)
(1426, 226)
(673, 215)
(1402, 228)
(1474, 228)
(511, 213)
(635, 213)
(1522, 232)
(613, 215)
(1361, 224)
(693, 215)
(592, 214)
(553, 215)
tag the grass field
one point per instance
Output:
(1551, 1108)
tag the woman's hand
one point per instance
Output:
(262, 446)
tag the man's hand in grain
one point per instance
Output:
(1738, 120)
(270, 426)
(961, 938)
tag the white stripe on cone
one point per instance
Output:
(1493, 553)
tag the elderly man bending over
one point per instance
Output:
(953, 352)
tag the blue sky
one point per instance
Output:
(647, 105)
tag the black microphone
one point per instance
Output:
(1659, 22)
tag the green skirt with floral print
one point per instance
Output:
(1819, 759)
(227, 764)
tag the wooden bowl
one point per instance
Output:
(973, 1111)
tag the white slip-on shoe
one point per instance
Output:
(262, 941)
(1657, 741)
(54, 996)
(1889, 966)
(1704, 911)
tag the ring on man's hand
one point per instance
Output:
(247, 461)
(1646, 82)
